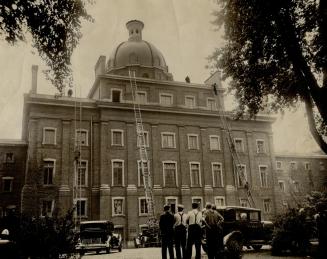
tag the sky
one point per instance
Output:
(180, 29)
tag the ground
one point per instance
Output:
(155, 253)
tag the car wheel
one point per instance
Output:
(119, 249)
(256, 247)
(81, 253)
(107, 250)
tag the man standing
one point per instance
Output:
(180, 232)
(220, 233)
(194, 218)
(212, 222)
(166, 225)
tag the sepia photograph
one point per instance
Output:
(140, 129)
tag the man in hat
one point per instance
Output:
(194, 219)
(166, 224)
(212, 221)
(180, 232)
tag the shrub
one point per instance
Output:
(41, 237)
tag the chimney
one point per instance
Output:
(34, 79)
(100, 66)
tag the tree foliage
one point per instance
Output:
(55, 28)
(41, 237)
(276, 50)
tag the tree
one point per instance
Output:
(276, 56)
(54, 26)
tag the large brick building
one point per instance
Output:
(298, 175)
(189, 155)
(12, 169)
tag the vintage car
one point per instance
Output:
(149, 237)
(97, 236)
(243, 227)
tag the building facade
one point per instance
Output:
(298, 175)
(12, 172)
(84, 151)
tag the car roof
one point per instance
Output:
(237, 208)
(95, 222)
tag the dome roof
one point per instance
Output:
(138, 54)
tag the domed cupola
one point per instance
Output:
(138, 55)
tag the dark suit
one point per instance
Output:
(166, 225)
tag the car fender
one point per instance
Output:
(234, 235)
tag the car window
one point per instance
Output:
(254, 215)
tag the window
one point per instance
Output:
(263, 171)
(140, 172)
(307, 166)
(81, 207)
(296, 186)
(143, 141)
(48, 171)
(116, 95)
(244, 202)
(293, 166)
(261, 146)
(266, 206)
(190, 101)
(141, 96)
(281, 185)
(310, 178)
(168, 140)
(198, 200)
(214, 142)
(143, 207)
(192, 141)
(195, 174)
(211, 104)
(118, 206)
(217, 175)
(7, 183)
(81, 137)
(82, 173)
(47, 208)
(166, 99)
(220, 201)
(117, 172)
(9, 158)
(241, 175)
(117, 137)
(172, 201)
(321, 166)
(239, 147)
(170, 174)
(279, 165)
(49, 136)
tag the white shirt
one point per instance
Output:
(194, 217)
(180, 218)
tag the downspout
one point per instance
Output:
(91, 166)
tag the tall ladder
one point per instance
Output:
(238, 171)
(142, 146)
